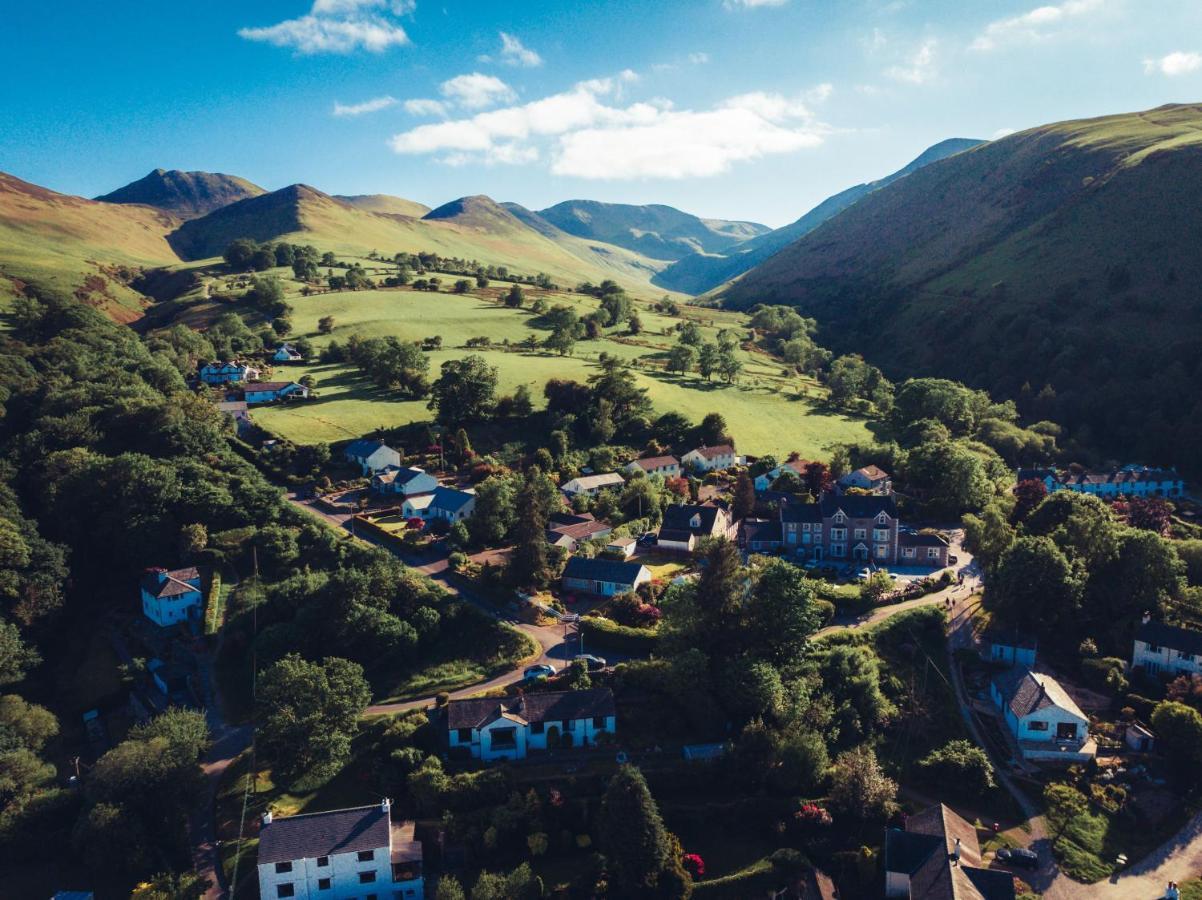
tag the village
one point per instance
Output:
(1044, 747)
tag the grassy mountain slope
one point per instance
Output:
(701, 273)
(656, 231)
(471, 227)
(385, 203)
(79, 246)
(1063, 255)
(184, 194)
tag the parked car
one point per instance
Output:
(542, 670)
(811, 565)
(1018, 857)
(864, 574)
(649, 538)
(952, 560)
(591, 662)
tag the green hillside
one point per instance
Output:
(765, 412)
(1065, 255)
(184, 194)
(76, 246)
(655, 230)
(385, 203)
(700, 273)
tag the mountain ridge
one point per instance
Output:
(188, 195)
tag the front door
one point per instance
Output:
(859, 552)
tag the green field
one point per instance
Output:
(766, 413)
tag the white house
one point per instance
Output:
(510, 727)
(868, 478)
(710, 459)
(1166, 650)
(227, 372)
(667, 466)
(169, 597)
(1010, 648)
(344, 854)
(684, 525)
(405, 481)
(765, 480)
(271, 391)
(623, 546)
(417, 506)
(1042, 716)
(938, 857)
(371, 455)
(605, 577)
(451, 504)
(591, 484)
(285, 352)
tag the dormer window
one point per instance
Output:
(839, 517)
(695, 522)
(882, 519)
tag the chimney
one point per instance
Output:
(385, 805)
(956, 853)
(1147, 617)
(267, 818)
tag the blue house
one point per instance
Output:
(1011, 648)
(171, 597)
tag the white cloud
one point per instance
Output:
(874, 42)
(1001, 133)
(515, 53)
(476, 91)
(1174, 64)
(338, 26)
(919, 68)
(628, 75)
(699, 58)
(820, 93)
(422, 106)
(584, 133)
(752, 4)
(367, 106)
(1034, 25)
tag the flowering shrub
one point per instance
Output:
(811, 814)
(693, 864)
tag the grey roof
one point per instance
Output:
(925, 850)
(1026, 692)
(365, 447)
(918, 539)
(602, 570)
(450, 499)
(312, 835)
(676, 518)
(175, 583)
(1036, 475)
(759, 531)
(397, 475)
(801, 512)
(553, 706)
(256, 387)
(648, 463)
(858, 506)
(1163, 635)
(906, 851)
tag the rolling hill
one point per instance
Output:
(700, 273)
(1065, 255)
(385, 203)
(655, 231)
(184, 194)
(82, 247)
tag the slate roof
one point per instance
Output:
(872, 473)
(579, 531)
(1183, 639)
(918, 539)
(364, 447)
(602, 570)
(1026, 692)
(450, 499)
(858, 506)
(312, 835)
(590, 482)
(759, 531)
(394, 475)
(676, 518)
(650, 463)
(675, 535)
(255, 387)
(1036, 475)
(924, 851)
(176, 583)
(554, 706)
(801, 512)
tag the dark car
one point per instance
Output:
(1018, 857)
(592, 663)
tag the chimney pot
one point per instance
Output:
(385, 804)
(267, 817)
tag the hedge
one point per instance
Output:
(604, 633)
(214, 609)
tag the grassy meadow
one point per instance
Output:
(766, 412)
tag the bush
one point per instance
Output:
(1105, 674)
(960, 766)
(826, 612)
(604, 633)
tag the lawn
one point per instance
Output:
(765, 413)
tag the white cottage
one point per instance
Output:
(1166, 650)
(604, 577)
(1043, 718)
(510, 727)
(227, 372)
(592, 484)
(710, 459)
(286, 352)
(404, 481)
(665, 466)
(272, 391)
(170, 597)
(344, 854)
(371, 455)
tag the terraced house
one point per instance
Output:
(509, 727)
(859, 528)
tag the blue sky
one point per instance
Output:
(747, 109)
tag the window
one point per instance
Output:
(367, 877)
(880, 534)
(838, 549)
(1037, 726)
(932, 552)
(598, 721)
(536, 727)
(882, 519)
(282, 867)
(838, 534)
(367, 855)
(465, 735)
(882, 550)
(908, 552)
(323, 884)
(323, 861)
(1152, 648)
(805, 526)
(818, 528)
(861, 533)
(285, 890)
(840, 518)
